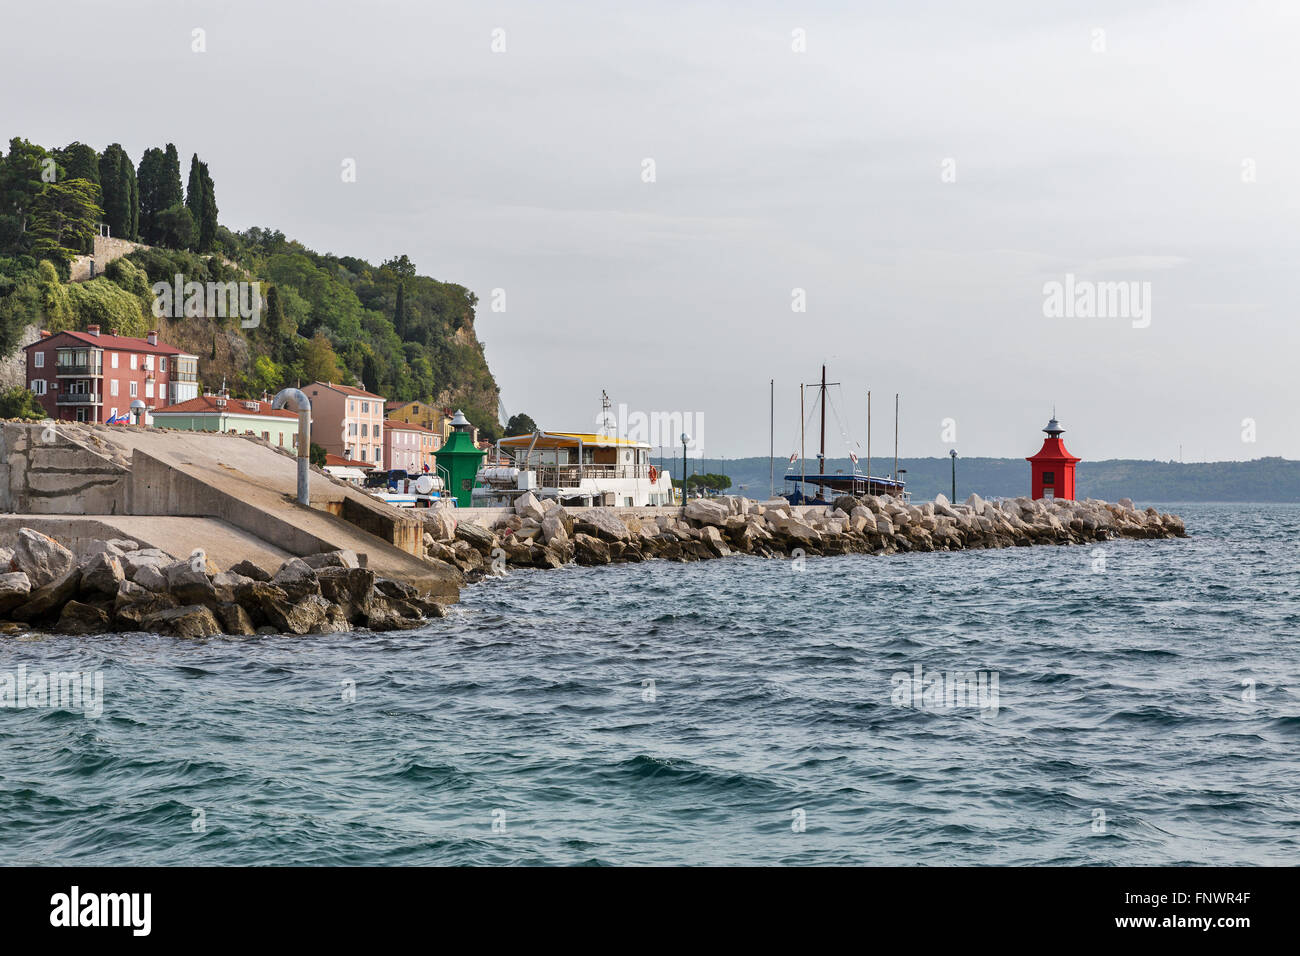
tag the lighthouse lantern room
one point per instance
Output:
(1053, 466)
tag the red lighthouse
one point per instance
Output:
(1053, 466)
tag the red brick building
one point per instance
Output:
(92, 377)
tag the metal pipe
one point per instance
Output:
(295, 400)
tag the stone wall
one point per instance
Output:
(106, 250)
(13, 367)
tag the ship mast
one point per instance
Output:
(822, 450)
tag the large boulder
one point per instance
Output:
(268, 602)
(48, 598)
(344, 558)
(712, 537)
(135, 602)
(441, 523)
(392, 614)
(101, 547)
(188, 584)
(602, 523)
(235, 620)
(845, 503)
(78, 618)
(151, 578)
(707, 511)
(527, 506)
(480, 539)
(226, 585)
(250, 570)
(15, 587)
(102, 575)
(193, 620)
(297, 579)
(40, 557)
(590, 550)
(133, 561)
(352, 589)
(553, 529)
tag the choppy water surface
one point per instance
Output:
(524, 728)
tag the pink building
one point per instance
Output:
(93, 377)
(410, 447)
(347, 421)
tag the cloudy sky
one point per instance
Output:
(920, 171)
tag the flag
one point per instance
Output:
(853, 458)
(794, 458)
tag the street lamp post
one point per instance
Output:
(685, 439)
(953, 455)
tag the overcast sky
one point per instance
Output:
(921, 171)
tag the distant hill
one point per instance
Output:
(1262, 480)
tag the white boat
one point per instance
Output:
(401, 490)
(576, 468)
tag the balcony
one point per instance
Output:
(185, 376)
(87, 370)
(80, 398)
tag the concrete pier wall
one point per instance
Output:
(43, 471)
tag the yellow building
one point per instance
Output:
(426, 415)
(419, 413)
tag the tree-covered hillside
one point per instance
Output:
(322, 316)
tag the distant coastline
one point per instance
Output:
(1264, 480)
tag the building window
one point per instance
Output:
(135, 389)
(133, 358)
(352, 428)
(113, 363)
(148, 389)
(148, 363)
(162, 363)
(365, 431)
(38, 385)
(38, 359)
(1049, 478)
(363, 454)
(365, 408)
(112, 385)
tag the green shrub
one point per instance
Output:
(19, 402)
(106, 304)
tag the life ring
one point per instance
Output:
(654, 474)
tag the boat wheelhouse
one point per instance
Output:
(576, 468)
(839, 484)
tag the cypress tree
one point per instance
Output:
(399, 313)
(171, 194)
(194, 191)
(208, 218)
(114, 190)
(132, 200)
(150, 179)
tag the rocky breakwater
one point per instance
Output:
(118, 586)
(543, 534)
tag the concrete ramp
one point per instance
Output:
(246, 486)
